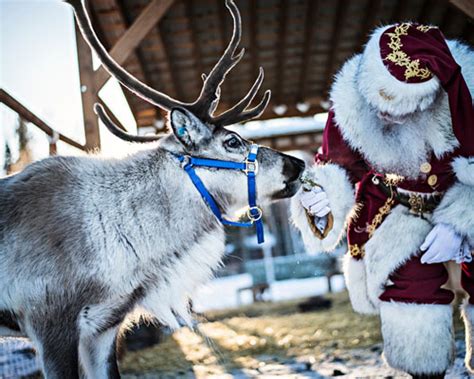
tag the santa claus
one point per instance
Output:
(396, 170)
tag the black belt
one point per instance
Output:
(417, 203)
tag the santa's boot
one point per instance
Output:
(467, 311)
(418, 338)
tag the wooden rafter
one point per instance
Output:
(397, 14)
(341, 11)
(178, 89)
(166, 61)
(127, 43)
(280, 47)
(194, 38)
(373, 7)
(467, 6)
(253, 35)
(468, 32)
(311, 11)
(126, 19)
(447, 18)
(423, 16)
(227, 86)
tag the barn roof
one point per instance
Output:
(299, 43)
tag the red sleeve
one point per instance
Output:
(336, 150)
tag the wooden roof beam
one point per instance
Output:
(195, 41)
(369, 22)
(226, 87)
(125, 16)
(308, 43)
(280, 46)
(466, 6)
(340, 17)
(253, 35)
(127, 43)
(397, 14)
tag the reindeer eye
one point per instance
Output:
(233, 143)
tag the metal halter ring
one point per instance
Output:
(255, 217)
(250, 167)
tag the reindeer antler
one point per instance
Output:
(205, 104)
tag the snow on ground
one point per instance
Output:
(352, 364)
(222, 293)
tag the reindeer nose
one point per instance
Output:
(293, 168)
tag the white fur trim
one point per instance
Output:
(405, 147)
(457, 210)
(464, 170)
(418, 338)
(335, 182)
(467, 312)
(463, 55)
(374, 76)
(397, 239)
(355, 277)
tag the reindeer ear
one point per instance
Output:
(189, 130)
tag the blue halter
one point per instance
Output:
(249, 167)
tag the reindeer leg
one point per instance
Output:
(58, 348)
(98, 355)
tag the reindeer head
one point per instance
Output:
(196, 131)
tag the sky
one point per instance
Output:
(39, 68)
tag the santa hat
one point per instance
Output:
(402, 68)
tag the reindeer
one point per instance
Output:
(86, 242)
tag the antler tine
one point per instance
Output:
(249, 114)
(115, 130)
(209, 91)
(238, 108)
(133, 84)
(214, 103)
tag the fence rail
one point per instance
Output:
(29, 116)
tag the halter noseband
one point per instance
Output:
(249, 167)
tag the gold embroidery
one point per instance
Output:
(424, 28)
(356, 252)
(377, 220)
(400, 58)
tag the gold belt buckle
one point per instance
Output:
(416, 204)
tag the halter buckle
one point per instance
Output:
(254, 213)
(250, 166)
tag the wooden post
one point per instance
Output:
(89, 93)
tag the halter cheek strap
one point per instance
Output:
(249, 167)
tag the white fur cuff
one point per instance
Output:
(335, 182)
(464, 170)
(418, 338)
(356, 283)
(457, 209)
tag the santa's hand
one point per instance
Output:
(442, 244)
(315, 202)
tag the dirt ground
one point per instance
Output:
(274, 341)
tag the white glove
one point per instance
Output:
(315, 202)
(443, 244)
